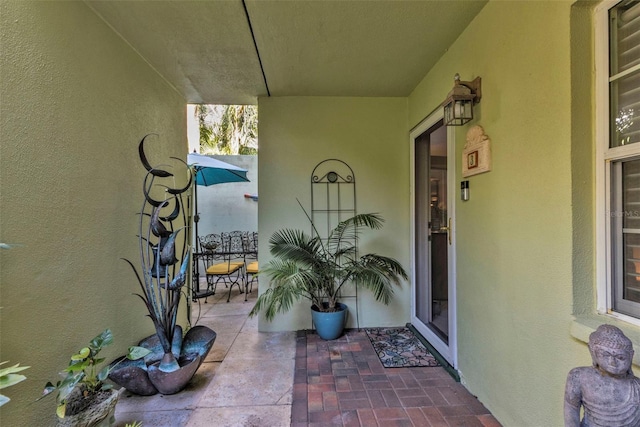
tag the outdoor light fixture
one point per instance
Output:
(458, 107)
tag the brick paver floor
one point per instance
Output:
(343, 383)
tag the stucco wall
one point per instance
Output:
(369, 134)
(75, 102)
(515, 233)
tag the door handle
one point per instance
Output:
(448, 229)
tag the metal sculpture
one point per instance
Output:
(164, 262)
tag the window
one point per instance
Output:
(618, 74)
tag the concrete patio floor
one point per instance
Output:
(246, 380)
(250, 378)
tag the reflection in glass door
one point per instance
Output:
(433, 306)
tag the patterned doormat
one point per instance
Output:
(399, 347)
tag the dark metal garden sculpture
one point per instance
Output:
(164, 262)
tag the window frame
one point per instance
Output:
(603, 165)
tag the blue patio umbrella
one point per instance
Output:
(209, 171)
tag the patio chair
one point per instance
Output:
(207, 244)
(252, 273)
(250, 240)
(222, 261)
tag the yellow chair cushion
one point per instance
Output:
(252, 267)
(225, 267)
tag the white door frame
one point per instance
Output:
(450, 351)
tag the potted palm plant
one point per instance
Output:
(314, 268)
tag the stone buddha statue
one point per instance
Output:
(608, 391)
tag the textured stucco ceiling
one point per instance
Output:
(205, 49)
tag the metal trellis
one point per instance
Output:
(333, 199)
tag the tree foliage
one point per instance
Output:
(228, 129)
(206, 131)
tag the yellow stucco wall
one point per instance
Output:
(369, 134)
(515, 240)
(75, 100)
(524, 268)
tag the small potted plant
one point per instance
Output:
(83, 397)
(315, 268)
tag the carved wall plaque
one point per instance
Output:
(476, 156)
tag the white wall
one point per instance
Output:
(223, 207)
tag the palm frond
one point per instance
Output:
(378, 274)
(289, 285)
(309, 267)
(295, 245)
(286, 272)
(349, 229)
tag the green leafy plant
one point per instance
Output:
(316, 269)
(84, 371)
(134, 424)
(8, 377)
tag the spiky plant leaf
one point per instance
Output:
(11, 379)
(10, 370)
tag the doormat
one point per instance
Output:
(399, 348)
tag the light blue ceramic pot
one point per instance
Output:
(329, 326)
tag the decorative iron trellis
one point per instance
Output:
(333, 199)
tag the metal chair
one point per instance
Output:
(222, 263)
(250, 240)
(209, 244)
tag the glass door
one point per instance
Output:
(433, 312)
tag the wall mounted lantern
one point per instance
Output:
(458, 107)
